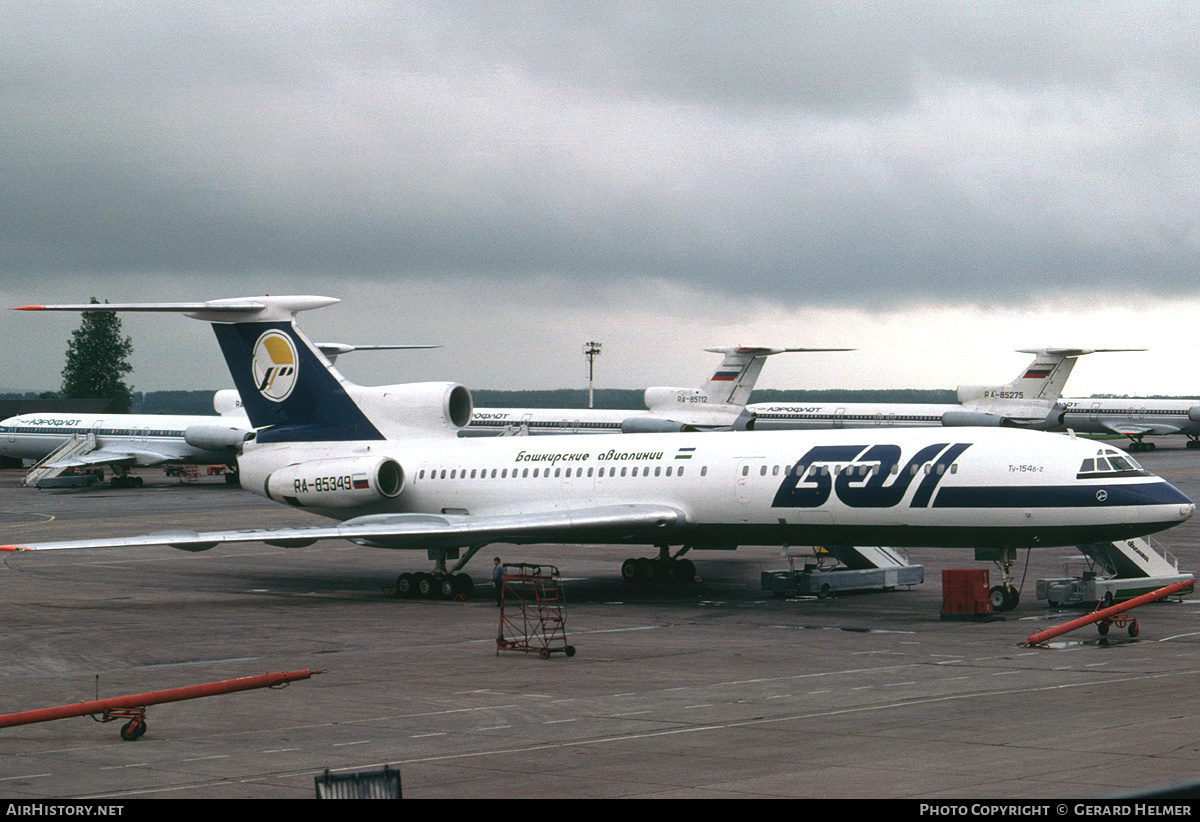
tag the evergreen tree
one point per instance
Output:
(97, 360)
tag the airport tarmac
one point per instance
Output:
(716, 689)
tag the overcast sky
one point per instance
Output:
(933, 184)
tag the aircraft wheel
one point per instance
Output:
(629, 570)
(464, 586)
(1014, 597)
(649, 570)
(427, 586)
(446, 588)
(1000, 599)
(668, 570)
(406, 586)
(687, 571)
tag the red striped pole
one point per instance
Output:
(1105, 613)
(153, 698)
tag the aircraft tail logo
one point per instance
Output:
(275, 365)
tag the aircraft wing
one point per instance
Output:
(1128, 429)
(613, 523)
(104, 456)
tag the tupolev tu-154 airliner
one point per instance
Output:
(122, 441)
(387, 464)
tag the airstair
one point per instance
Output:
(1113, 571)
(533, 611)
(827, 571)
(45, 469)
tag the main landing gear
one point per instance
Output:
(442, 583)
(1138, 444)
(661, 569)
(434, 586)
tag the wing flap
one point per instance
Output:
(104, 456)
(615, 523)
(1128, 429)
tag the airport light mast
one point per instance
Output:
(591, 350)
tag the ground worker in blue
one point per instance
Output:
(497, 578)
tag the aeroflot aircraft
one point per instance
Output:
(125, 440)
(387, 462)
(1134, 418)
(717, 404)
(1029, 401)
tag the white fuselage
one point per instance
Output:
(970, 487)
(1109, 415)
(777, 416)
(149, 439)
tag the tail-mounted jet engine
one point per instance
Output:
(337, 483)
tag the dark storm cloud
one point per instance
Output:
(803, 153)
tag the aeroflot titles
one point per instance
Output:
(58, 423)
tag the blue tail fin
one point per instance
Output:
(287, 388)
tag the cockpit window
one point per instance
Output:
(1109, 463)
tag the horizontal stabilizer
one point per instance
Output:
(237, 309)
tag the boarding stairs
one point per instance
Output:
(1114, 571)
(836, 568)
(46, 468)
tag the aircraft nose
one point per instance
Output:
(1168, 494)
